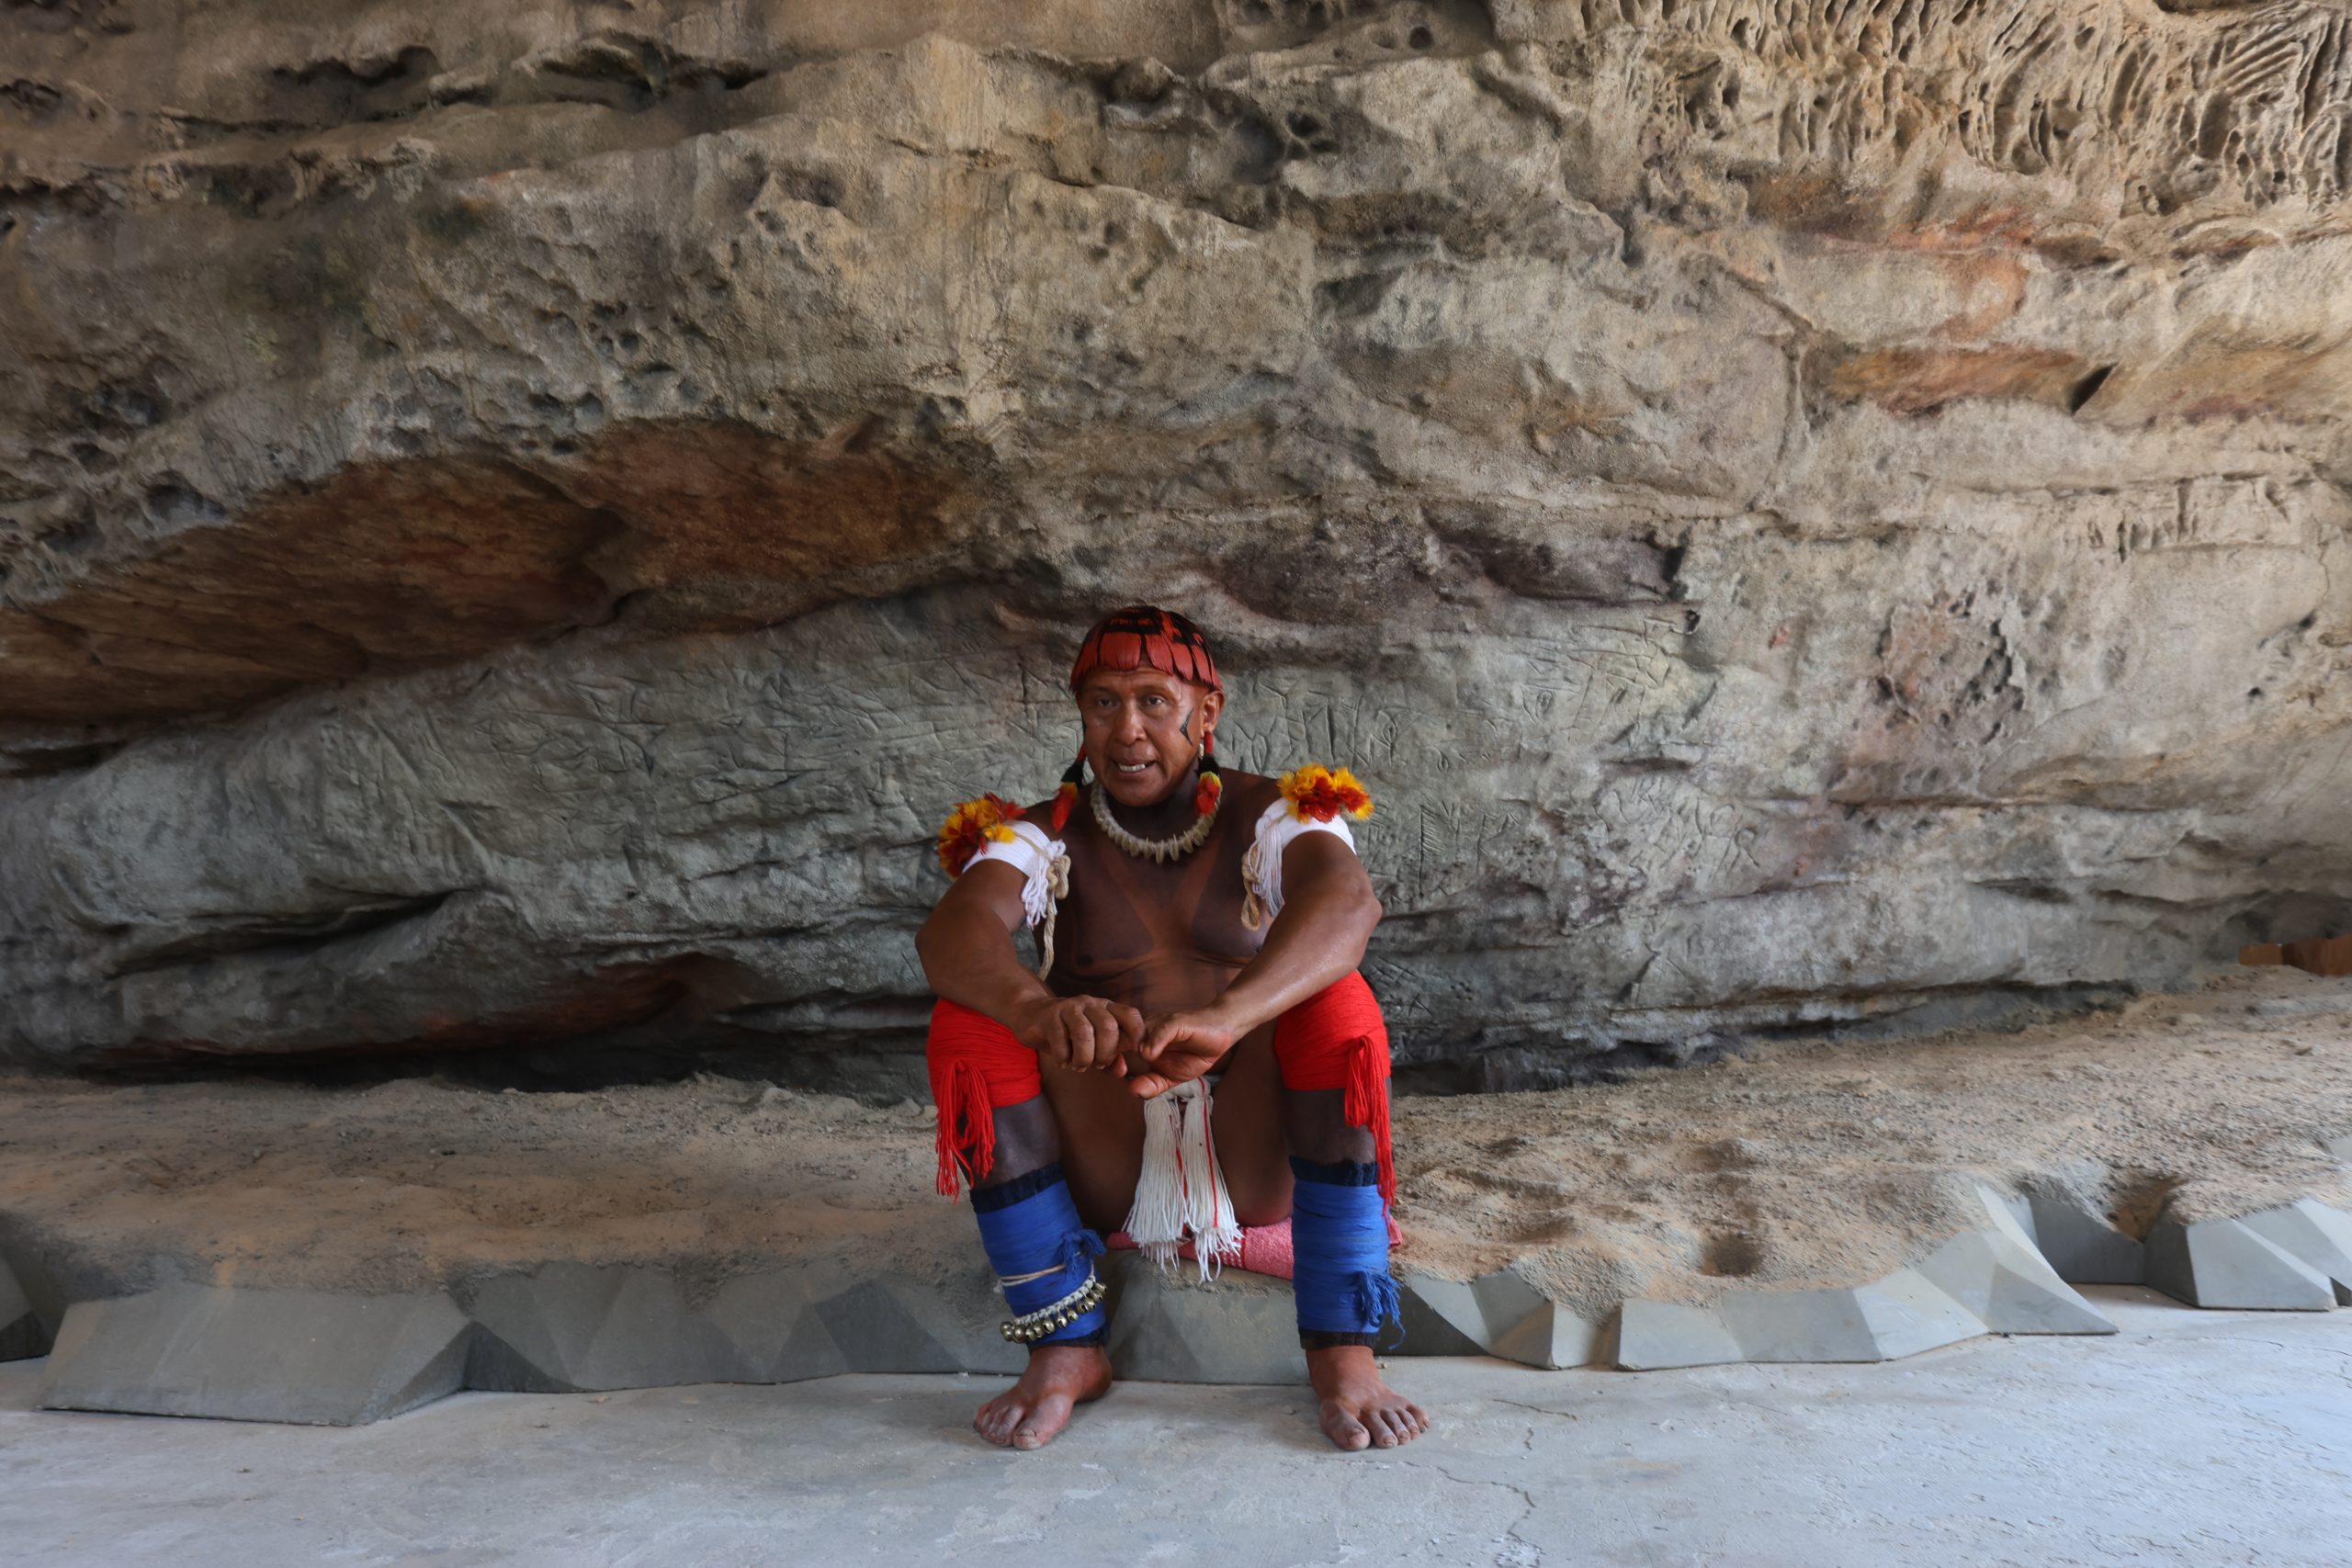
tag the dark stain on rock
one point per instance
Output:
(397, 565)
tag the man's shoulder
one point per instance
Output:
(1249, 793)
(1314, 786)
(998, 808)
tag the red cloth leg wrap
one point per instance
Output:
(1337, 1039)
(977, 1064)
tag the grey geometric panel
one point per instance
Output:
(2221, 1263)
(22, 1332)
(1167, 1326)
(1988, 1279)
(1998, 1277)
(1901, 1315)
(771, 1318)
(1504, 1315)
(314, 1356)
(1908, 1313)
(898, 1324)
(2310, 1232)
(2016, 1302)
(1800, 1326)
(571, 1327)
(492, 1366)
(32, 1305)
(1652, 1335)
(2083, 1249)
(1427, 1332)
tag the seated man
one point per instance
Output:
(1190, 923)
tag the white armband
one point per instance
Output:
(1031, 851)
(1278, 829)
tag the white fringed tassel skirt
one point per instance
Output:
(1182, 1191)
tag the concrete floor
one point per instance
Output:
(2200, 1437)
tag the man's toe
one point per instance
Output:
(1043, 1424)
(995, 1423)
(1345, 1431)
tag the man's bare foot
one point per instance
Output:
(1359, 1410)
(1032, 1412)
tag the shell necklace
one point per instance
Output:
(1160, 850)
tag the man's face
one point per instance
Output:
(1142, 731)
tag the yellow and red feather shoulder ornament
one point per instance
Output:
(1323, 793)
(972, 824)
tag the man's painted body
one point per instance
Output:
(1159, 979)
(1164, 939)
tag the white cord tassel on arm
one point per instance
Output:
(1056, 889)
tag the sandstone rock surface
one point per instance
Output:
(517, 521)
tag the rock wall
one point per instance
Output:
(517, 521)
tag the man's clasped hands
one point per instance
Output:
(1154, 1053)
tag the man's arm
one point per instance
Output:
(968, 956)
(1329, 913)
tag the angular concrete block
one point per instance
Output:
(2340, 1146)
(572, 1327)
(1996, 1276)
(32, 1304)
(494, 1366)
(1906, 1314)
(1657, 1334)
(22, 1332)
(314, 1356)
(1800, 1326)
(773, 1321)
(899, 1325)
(2221, 1263)
(1991, 1279)
(1427, 1331)
(2314, 1234)
(1993, 1284)
(1505, 1315)
(2082, 1248)
(1169, 1327)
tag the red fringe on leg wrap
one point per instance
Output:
(1337, 1039)
(967, 1125)
(1367, 1104)
(977, 1066)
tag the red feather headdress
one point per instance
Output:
(1147, 637)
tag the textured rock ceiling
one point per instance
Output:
(516, 520)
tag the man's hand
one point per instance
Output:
(1177, 1048)
(1082, 1033)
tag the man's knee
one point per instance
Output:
(1332, 1050)
(1337, 1038)
(1315, 1127)
(978, 1068)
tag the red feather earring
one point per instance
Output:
(1204, 798)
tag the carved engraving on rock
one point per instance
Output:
(514, 522)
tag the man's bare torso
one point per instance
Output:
(1158, 937)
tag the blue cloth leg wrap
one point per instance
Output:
(1030, 1223)
(1339, 1237)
